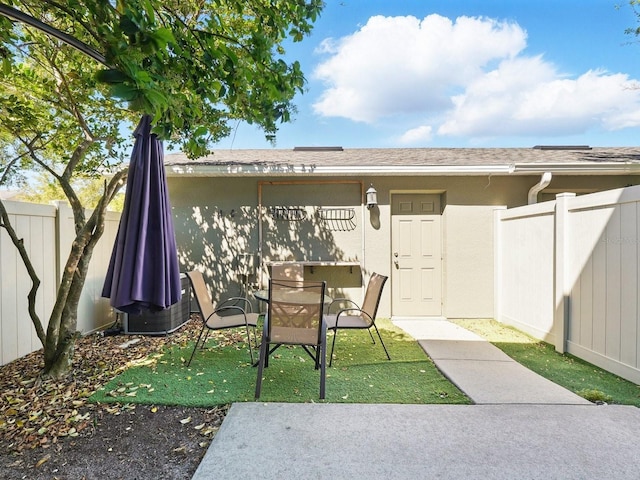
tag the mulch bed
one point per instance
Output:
(49, 430)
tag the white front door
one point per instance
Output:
(416, 272)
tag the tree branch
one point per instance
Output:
(14, 14)
(5, 223)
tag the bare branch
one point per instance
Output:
(5, 223)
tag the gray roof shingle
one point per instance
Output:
(398, 161)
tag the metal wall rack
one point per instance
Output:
(338, 219)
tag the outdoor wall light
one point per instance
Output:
(372, 197)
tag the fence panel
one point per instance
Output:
(35, 224)
(525, 289)
(595, 267)
(47, 232)
(602, 251)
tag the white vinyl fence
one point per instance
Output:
(567, 272)
(47, 232)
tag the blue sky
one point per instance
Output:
(464, 73)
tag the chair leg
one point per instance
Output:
(371, 334)
(317, 357)
(249, 342)
(383, 346)
(333, 345)
(255, 338)
(206, 337)
(196, 345)
(263, 358)
(264, 349)
(322, 352)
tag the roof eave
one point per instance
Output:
(617, 168)
(289, 170)
(284, 170)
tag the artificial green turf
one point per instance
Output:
(223, 374)
(574, 374)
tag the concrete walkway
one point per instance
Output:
(482, 371)
(522, 426)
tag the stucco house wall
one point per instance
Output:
(219, 230)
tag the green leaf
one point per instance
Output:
(125, 92)
(142, 77)
(200, 131)
(111, 76)
(128, 26)
(6, 66)
(165, 35)
(156, 98)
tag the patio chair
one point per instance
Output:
(354, 317)
(234, 312)
(288, 271)
(294, 317)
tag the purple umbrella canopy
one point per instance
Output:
(143, 273)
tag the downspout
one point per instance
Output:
(261, 285)
(544, 183)
(363, 238)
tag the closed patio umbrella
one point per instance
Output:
(143, 273)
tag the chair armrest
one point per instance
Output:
(240, 311)
(235, 301)
(360, 311)
(342, 300)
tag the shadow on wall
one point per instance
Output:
(223, 244)
(214, 241)
(306, 237)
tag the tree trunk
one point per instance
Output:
(61, 334)
(58, 349)
(60, 364)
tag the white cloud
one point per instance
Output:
(465, 78)
(402, 65)
(525, 97)
(418, 135)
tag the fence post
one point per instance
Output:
(562, 289)
(498, 213)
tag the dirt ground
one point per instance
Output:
(49, 431)
(136, 444)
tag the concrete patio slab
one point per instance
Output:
(353, 441)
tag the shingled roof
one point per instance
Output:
(324, 161)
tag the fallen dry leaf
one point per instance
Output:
(32, 406)
(43, 460)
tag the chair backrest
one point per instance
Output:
(373, 294)
(288, 271)
(199, 289)
(295, 312)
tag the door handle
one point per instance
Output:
(396, 263)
